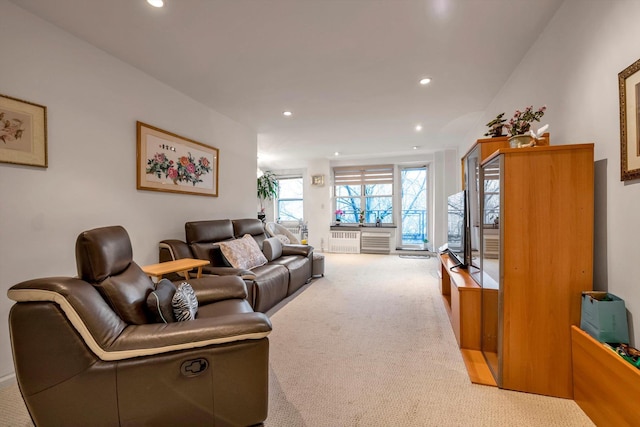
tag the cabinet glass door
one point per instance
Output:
(490, 260)
(472, 185)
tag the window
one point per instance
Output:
(364, 189)
(290, 201)
(491, 214)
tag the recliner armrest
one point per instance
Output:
(303, 250)
(217, 288)
(111, 339)
(157, 338)
(174, 249)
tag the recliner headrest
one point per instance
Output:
(252, 226)
(208, 231)
(103, 252)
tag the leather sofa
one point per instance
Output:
(86, 351)
(288, 268)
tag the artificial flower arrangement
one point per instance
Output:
(339, 213)
(520, 123)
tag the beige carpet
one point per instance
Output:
(371, 345)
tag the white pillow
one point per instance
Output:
(284, 239)
(243, 253)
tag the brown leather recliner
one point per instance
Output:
(86, 352)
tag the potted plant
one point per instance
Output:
(339, 213)
(520, 124)
(495, 126)
(267, 190)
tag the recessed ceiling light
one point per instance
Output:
(425, 81)
(336, 154)
(415, 147)
(287, 113)
(418, 128)
(156, 3)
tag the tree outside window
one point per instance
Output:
(290, 199)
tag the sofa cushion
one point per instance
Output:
(272, 248)
(211, 252)
(185, 303)
(159, 302)
(243, 253)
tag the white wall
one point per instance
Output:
(573, 69)
(93, 102)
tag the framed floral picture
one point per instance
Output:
(23, 132)
(175, 164)
(629, 86)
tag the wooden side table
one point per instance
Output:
(182, 266)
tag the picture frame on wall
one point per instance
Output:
(23, 132)
(175, 164)
(629, 89)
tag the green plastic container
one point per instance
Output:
(604, 317)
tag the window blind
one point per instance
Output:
(363, 175)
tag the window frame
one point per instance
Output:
(363, 176)
(278, 199)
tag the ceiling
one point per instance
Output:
(347, 69)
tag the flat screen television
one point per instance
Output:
(457, 233)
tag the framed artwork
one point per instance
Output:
(317, 180)
(629, 85)
(175, 164)
(23, 132)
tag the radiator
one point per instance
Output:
(491, 245)
(345, 242)
(376, 243)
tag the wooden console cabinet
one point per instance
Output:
(462, 301)
(606, 387)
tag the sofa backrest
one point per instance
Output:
(212, 231)
(203, 237)
(252, 226)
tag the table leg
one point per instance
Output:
(199, 275)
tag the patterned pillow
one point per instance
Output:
(243, 253)
(284, 239)
(159, 302)
(185, 303)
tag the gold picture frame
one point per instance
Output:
(175, 164)
(317, 180)
(23, 132)
(629, 90)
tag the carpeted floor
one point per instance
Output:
(370, 344)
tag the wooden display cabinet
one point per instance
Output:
(545, 261)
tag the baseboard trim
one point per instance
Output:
(7, 380)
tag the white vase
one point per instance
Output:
(519, 141)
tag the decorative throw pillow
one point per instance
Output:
(185, 303)
(159, 302)
(243, 253)
(284, 239)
